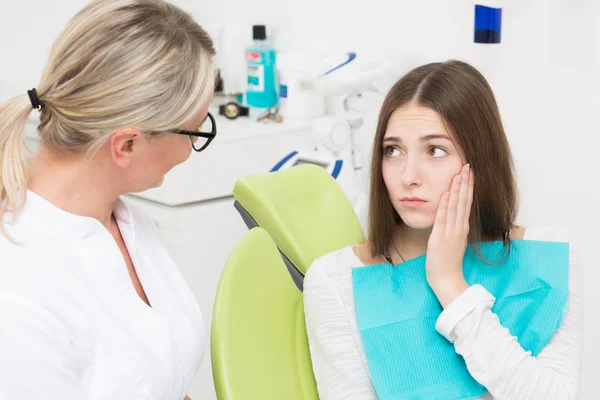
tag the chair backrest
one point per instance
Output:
(258, 341)
(303, 209)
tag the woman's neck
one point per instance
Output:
(411, 243)
(72, 183)
(408, 243)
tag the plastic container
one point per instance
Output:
(261, 90)
(295, 100)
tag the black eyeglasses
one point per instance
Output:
(205, 133)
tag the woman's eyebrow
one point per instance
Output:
(392, 139)
(396, 139)
(434, 136)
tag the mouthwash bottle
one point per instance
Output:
(260, 59)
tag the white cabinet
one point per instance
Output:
(242, 147)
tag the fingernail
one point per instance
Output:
(458, 179)
(468, 167)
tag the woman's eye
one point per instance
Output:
(437, 152)
(391, 151)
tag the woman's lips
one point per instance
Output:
(412, 202)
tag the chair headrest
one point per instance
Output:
(303, 209)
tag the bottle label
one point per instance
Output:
(256, 78)
(254, 56)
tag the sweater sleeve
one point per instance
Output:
(340, 372)
(497, 361)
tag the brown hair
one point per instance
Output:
(466, 104)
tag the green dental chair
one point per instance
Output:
(303, 209)
(259, 347)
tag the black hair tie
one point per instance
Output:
(36, 103)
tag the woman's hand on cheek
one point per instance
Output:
(448, 239)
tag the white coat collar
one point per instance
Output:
(45, 218)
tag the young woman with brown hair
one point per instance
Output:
(442, 181)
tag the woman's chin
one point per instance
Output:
(419, 222)
(159, 182)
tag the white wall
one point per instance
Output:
(544, 75)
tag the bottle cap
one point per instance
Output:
(259, 32)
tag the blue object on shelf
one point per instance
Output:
(488, 24)
(261, 89)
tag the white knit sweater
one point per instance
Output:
(494, 357)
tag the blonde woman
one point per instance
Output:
(91, 304)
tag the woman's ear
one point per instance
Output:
(125, 144)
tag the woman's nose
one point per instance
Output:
(411, 175)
